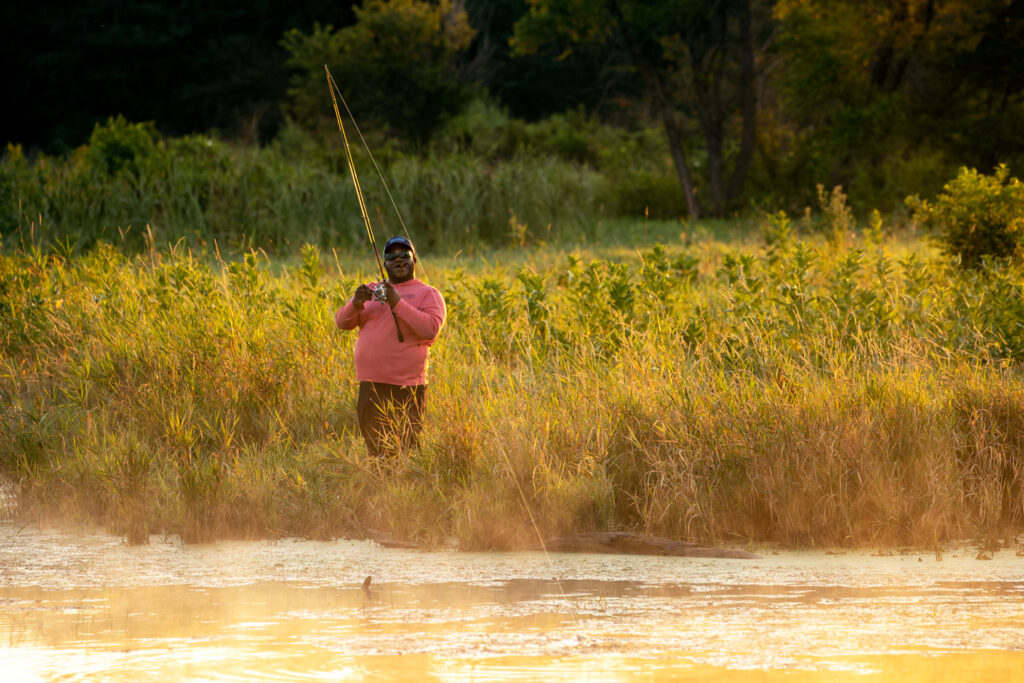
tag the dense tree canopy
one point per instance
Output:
(550, 79)
(396, 65)
(695, 58)
(758, 100)
(188, 65)
(877, 86)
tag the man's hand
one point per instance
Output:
(362, 295)
(391, 294)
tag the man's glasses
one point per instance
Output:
(392, 255)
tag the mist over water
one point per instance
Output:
(87, 607)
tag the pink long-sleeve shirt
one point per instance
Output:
(379, 356)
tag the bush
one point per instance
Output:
(977, 215)
(122, 147)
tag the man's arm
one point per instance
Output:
(427, 321)
(347, 317)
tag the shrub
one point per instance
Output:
(977, 215)
(122, 147)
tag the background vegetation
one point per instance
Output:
(852, 390)
(754, 103)
(177, 228)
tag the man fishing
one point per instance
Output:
(398, 320)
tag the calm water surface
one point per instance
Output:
(87, 607)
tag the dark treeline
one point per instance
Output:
(756, 101)
(188, 65)
(195, 66)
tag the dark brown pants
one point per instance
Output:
(390, 416)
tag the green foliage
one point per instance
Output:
(122, 147)
(460, 200)
(396, 66)
(128, 185)
(311, 271)
(538, 310)
(486, 130)
(837, 217)
(777, 234)
(636, 174)
(884, 99)
(977, 216)
(650, 193)
(888, 98)
(486, 179)
(549, 82)
(695, 56)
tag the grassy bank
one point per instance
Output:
(852, 391)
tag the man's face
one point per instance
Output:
(400, 263)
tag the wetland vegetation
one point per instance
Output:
(784, 365)
(812, 383)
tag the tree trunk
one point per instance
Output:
(716, 168)
(649, 72)
(705, 82)
(675, 145)
(708, 74)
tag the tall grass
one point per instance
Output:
(133, 187)
(847, 392)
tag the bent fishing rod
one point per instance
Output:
(379, 289)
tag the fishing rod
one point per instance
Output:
(379, 290)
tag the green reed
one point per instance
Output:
(131, 186)
(806, 393)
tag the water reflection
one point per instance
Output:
(82, 607)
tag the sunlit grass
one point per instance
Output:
(845, 392)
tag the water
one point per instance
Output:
(88, 607)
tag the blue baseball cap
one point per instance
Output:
(400, 241)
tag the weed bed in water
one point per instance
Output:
(88, 606)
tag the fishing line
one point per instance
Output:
(333, 87)
(529, 512)
(373, 159)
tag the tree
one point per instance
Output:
(397, 67)
(698, 63)
(548, 81)
(871, 84)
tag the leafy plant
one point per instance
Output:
(976, 215)
(838, 217)
(120, 146)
